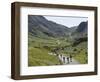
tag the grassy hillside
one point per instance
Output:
(38, 52)
(81, 53)
(40, 57)
(39, 48)
(78, 52)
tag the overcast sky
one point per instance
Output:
(67, 21)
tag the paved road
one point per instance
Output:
(65, 60)
(74, 62)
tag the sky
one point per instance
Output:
(66, 20)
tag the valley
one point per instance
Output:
(45, 37)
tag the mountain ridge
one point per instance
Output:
(39, 25)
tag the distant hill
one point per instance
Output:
(39, 25)
(80, 34)
(72, 29)
(81, 30)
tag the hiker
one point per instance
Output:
(70, 58)
(64, 59)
